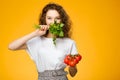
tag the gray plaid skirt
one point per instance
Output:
(53, 75)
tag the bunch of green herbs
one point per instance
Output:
(56, 29)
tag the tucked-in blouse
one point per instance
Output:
(48, 56)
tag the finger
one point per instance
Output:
(46, 28)
(42, 28)
(37, 30)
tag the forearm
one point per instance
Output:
(21, 41)
(72, 71)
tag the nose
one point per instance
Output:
(53, 21)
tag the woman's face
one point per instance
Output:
(51, 16)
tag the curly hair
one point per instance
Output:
(63, 15)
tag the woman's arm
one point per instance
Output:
(72, 71)
(21, 42)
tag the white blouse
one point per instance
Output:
(46, 55)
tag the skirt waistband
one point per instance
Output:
(53, 73)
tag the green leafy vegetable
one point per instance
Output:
(37, 26)
(56, 29)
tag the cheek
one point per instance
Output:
(47, 21)
(58, 21)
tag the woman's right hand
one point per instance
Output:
(42, 30)
(21, 42)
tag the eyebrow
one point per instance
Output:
(50, 16)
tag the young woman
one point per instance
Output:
(49, 59)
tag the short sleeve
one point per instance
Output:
(73, 48)
(32, 48)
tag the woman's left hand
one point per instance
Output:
(72, 70)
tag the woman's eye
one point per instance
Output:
(49, 18)
(58, 18)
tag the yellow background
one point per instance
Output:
(96, 30)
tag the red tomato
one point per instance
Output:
(72, 60)
(78, 57)
(68, 57)
(66, 61)
(75, 60)
(72, 63)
